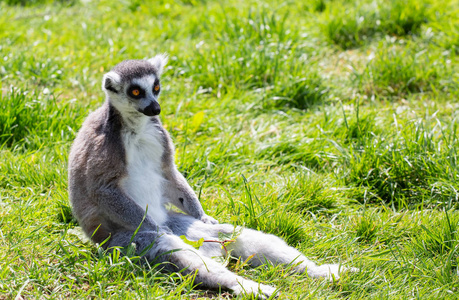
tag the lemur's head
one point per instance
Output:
(133, 85)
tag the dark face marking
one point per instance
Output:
(136, 92)
(156, 87)
(181, 200)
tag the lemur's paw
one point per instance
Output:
(247, 287)
(208, 220)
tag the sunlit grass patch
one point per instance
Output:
(403, 17)
(408, 168)
(263, 41)
(304, 91)
(446, 34)
(397, 72)
(349, 26)
(40, 169)
(439, 237)
(382, 228)
(359, 128)
(312, 194)
(42, 72)
(366, 228)
(313, 153)
(30, 119)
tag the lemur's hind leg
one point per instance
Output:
(268, 247)
(177, 255)
(264, 247)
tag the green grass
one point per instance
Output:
(333, 124)
(30, 119)
(353, 23)
(395, 71)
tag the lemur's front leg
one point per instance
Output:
(176, 189)
(179, 193)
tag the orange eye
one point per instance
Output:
(156, 88)
(136, 92)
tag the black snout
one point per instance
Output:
(152, 110)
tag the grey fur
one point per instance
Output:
(130, 69)
(100, 171)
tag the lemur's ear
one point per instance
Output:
(159, 61)
(111, 82)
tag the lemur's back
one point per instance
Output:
(96, 145)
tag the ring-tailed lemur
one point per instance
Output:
(122, 161)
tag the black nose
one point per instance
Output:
(152, 110)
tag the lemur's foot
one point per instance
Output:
(261, 291)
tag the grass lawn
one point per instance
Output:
(333, 124)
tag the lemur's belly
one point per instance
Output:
(144, 181)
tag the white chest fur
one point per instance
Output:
(144, 181)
